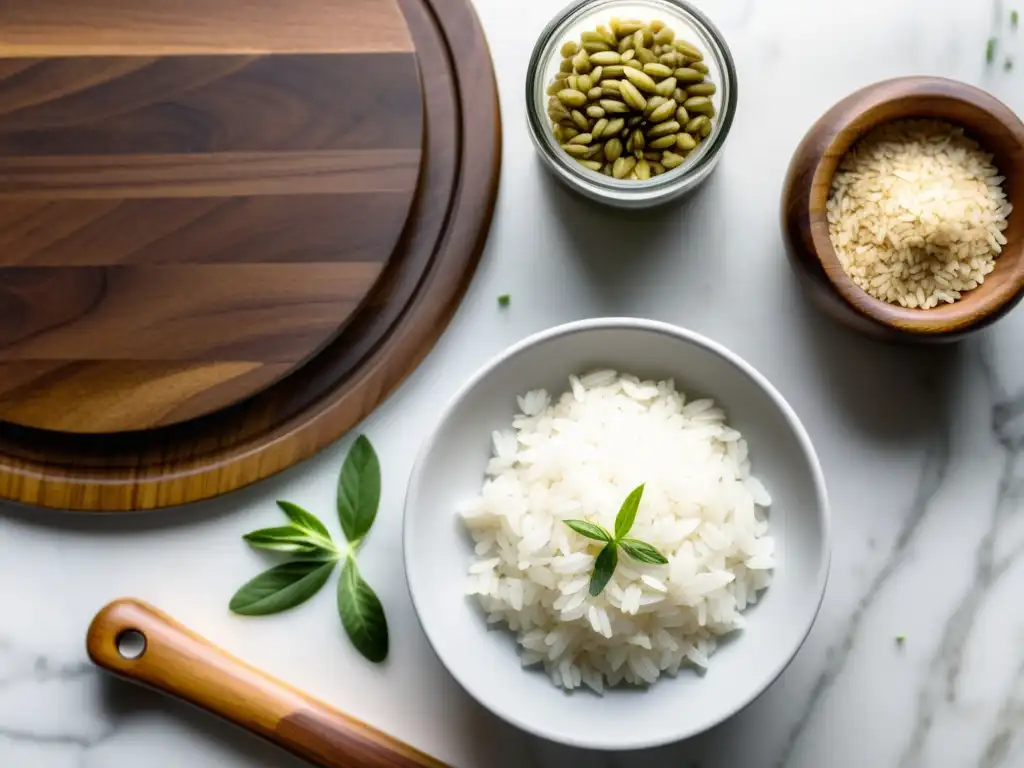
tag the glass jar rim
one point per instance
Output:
(599, 185)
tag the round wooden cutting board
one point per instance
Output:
(227, 231)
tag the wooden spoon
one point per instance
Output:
(174, 660)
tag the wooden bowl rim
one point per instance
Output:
(954, 317)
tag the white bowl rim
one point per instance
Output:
(477, 691)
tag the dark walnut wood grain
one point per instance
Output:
(390, 333)
(179, 230)
(809, 179)
(179, 662)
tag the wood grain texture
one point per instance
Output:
(209, 218)
(179, 662)
(406, 312)
(32, 28)
(809, 179)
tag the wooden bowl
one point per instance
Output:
(806, 190)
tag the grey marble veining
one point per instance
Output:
(923, 451)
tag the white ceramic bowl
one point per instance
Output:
(438, 551)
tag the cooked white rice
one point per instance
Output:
(916, 213)
(580, 458)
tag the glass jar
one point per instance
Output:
(689, 24)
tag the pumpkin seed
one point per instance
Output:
(664, 35)
(623, 167)
(632, 95)
(613, 107)
(583, 83)
(634, 64)
(606, 35)
(565, 66)
(555, 87)
(705, 129)
(640, 79)
(653, 103)
(593, 165)
(611, 88)
(689, 75)
(658, 71)
(637, 137)
(614, 127)
(628, 27)
(581, 63)
(615, 70)
(666, 87)
(693, 127)
(595, 93)
(604, 58)
(596, 47)
(648, 36)
(598, 128)
(612, 150)
(627, 56)
(662, 113)
(656, 168)
(594, 151)
(571, 97)
(689, 50)
(700, 66)
(672, 59)
(569, 49)
(656, 26)
(625, 44)
(679, 95)
(595, 112)
(569, 131)
(576, 150)
(682, 116)
(591, 37)
(582, 138)
(700, 104)
(638, 41)
(580, 120)
(702, 89)
(671, 159)
(663, 142)
(642, 170)
(646, 56)
(685, 142)
(669, 127)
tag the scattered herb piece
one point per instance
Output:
(608, 557)
(901, 639)
(1008, 64)
(1014, 20)
(293, 583)
(504, 299)
(990, 50)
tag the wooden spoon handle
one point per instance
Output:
(182, 664)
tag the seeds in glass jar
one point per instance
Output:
(632, 102)
(656, 26)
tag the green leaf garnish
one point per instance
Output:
(359, 490)
(990, 50)
(1014, 19)
(608, 558)
(287, 538)
(604, 567)
(504, 299)
(591, 531)
(627, 513)
(642, 552)
(362, 615)
(282, 587)
(294, 582)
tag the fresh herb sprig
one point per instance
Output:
(316, 555)
(608, 557)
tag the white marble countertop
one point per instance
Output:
(923, 451)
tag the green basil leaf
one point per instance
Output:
(307, 521)
(287, 538)
(359, 490)
(627, 513)
(604, 567)
(642, 552)
(362, 615)
(591, 531)
(281, 588)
